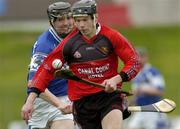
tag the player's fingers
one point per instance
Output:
(29, 115)
(25, 118)
(110, 88)
(24, 115)
(71, 108)
(67, 110)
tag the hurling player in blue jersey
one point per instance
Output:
(44, 115)
(148, 88)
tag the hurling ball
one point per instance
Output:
(57, 64)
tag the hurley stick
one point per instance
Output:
(163, 106)
(69, 75)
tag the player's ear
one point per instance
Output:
(96, 17)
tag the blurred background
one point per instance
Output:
(154, 24)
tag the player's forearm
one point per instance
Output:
(31, 98)
(49, 97)
(131, 68)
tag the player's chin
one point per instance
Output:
(85, 33)
(63, 31)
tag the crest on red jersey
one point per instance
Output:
(104, 50)
(77, 54)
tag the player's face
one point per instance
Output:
(64, 24)
(86, 25)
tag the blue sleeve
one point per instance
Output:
(42, 47)
(40, 51)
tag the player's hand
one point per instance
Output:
(65, 108)
(111, 84)
(26, 111)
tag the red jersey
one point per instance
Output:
(94, 59)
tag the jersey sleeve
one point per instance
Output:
(38, 55)
(40, 51)
(128, 55)
(45, 72)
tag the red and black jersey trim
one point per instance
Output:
(124, 76)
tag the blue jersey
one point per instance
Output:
(148, 76)
(45, 43)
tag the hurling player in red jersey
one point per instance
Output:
(92, 52)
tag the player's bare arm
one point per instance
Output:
(49, 97)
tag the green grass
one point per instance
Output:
(15, 51)
(163, 44)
